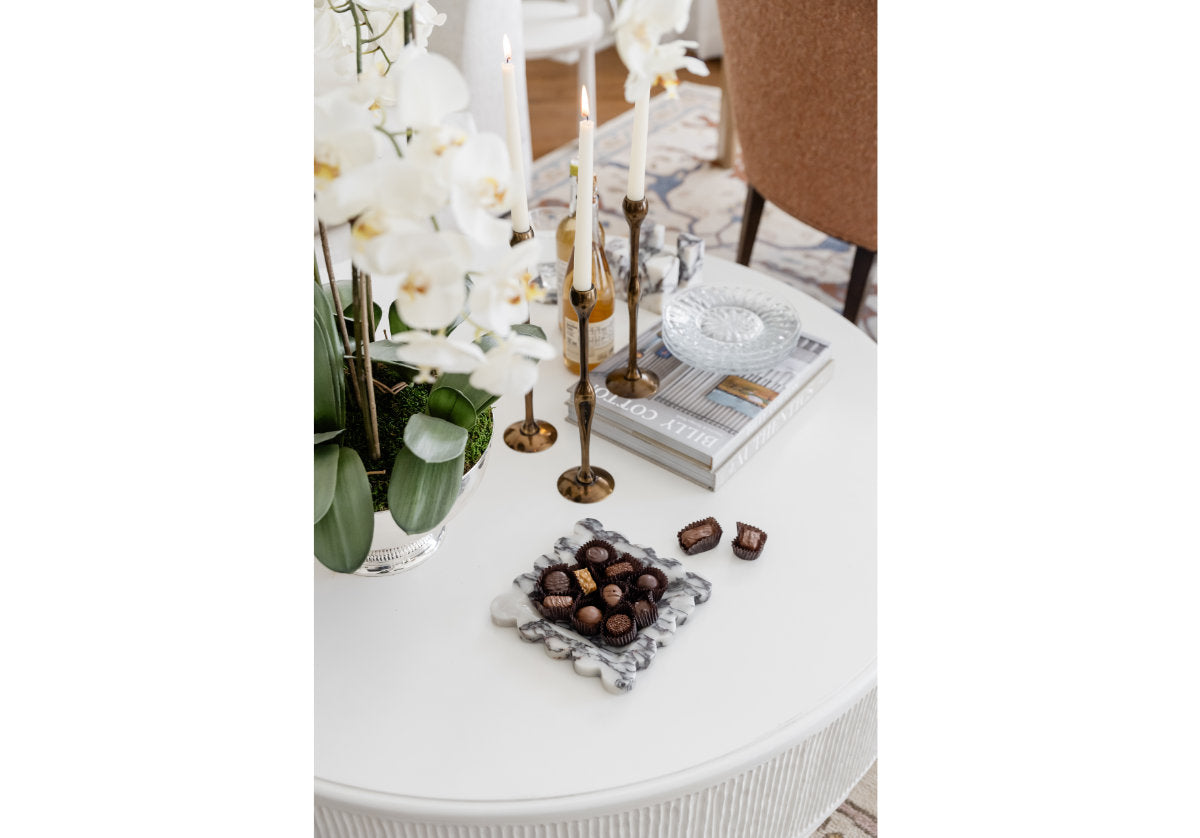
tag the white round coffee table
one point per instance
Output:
(757, 719)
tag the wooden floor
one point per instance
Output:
(554, 96)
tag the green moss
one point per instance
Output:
(393, 412)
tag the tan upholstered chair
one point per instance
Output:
(801, 75)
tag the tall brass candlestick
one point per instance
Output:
(632, 383)
(588, 483)
(530, 435)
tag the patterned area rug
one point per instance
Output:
(857, 817)
(688, 192)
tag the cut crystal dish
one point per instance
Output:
(727, 329)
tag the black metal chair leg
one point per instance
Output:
(750, 218)
(860, 271)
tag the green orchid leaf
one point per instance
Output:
(325, 385)
(529, 330)
(325, 463)
(434, 440)
(487, 342)
(346, 294)
(326, 340)
(451, 405)
(461, 382)
(328, 435)
(420, 493)
(342, 538)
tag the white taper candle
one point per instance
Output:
(636, 189)
(516, 153)
(582, 280)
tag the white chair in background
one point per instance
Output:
(559, 30)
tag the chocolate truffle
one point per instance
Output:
(612, 594)
(557, 601)
(614, 570)
(618, 624)
(647, 582)
(596, 554)
(556, 582)
(589, 615)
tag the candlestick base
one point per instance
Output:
(520, 237)
(519, 436)
(643, 385)
(577, 491)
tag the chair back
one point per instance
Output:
(802, 77)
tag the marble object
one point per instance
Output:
(658, 268)
(617, 668)
(690, 250)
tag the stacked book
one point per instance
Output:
(702, 425)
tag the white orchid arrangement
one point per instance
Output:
(397, 160)
(639, 27)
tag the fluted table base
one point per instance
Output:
(787, 796)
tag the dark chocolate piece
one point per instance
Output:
(647, 582)
(556, 582)
(596, 554)
(612, 594)
(557, 601)
(589, 615)
(618, 624)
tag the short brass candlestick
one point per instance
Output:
(588, 483)
(632, 383)
(530, 435)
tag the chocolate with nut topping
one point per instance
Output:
(586, 583)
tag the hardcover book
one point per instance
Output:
(702, 425)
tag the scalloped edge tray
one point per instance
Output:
(617, 668)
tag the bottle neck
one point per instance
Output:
(595, 218)
(573, 204)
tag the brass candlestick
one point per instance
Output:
(632, 383)
(588, 483)
(530, 435)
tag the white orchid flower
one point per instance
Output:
(430, 272)
(343, 135)
(658, 66)
(510, 367)
(433, 148)
(639, 27)
(425, 17)
(480, 175)
(429, 88)
(500, 295)
(429, 352)
(652, 18)
(389, 6)
(333, 58)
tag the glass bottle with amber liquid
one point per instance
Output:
(564, 237)
(601, 325)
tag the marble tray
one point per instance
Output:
(616, 667)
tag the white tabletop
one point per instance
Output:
(424, 705)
